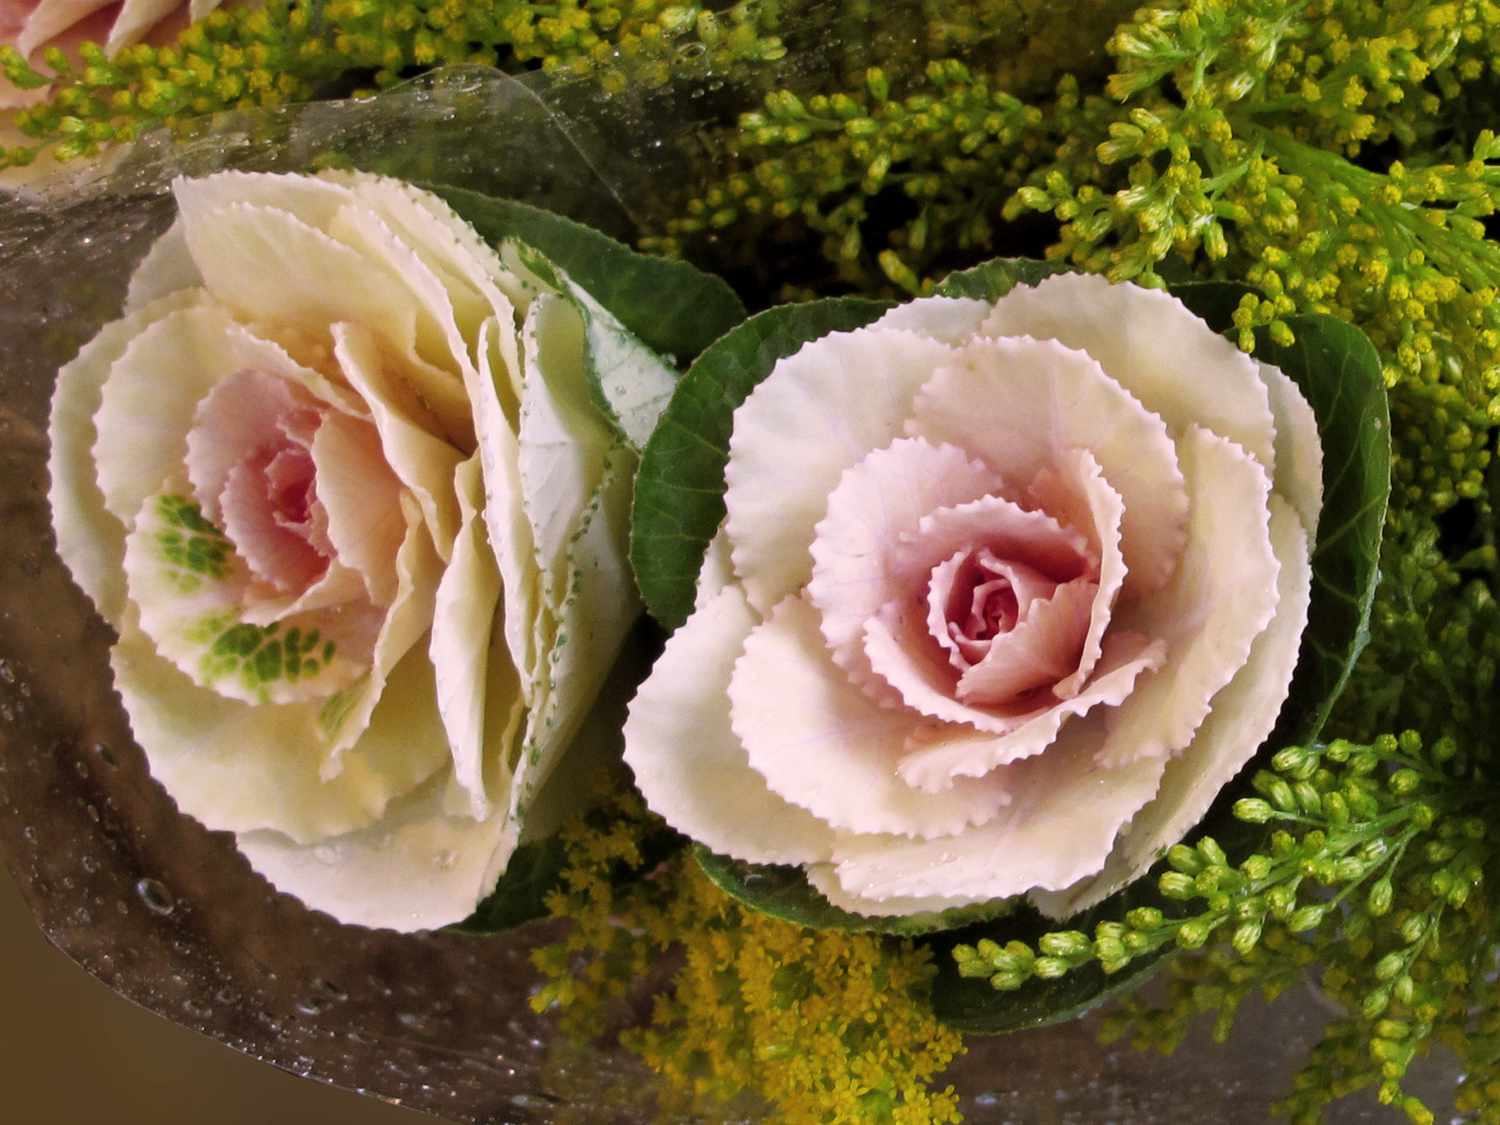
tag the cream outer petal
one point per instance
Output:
(1148, 341)
(166, 268)
(880, 501)
(463, 617)
(687, 762)
(931, 764)
(1217, 603)
(1021, 403)
(238, 767)
(1061, 823)
(422, 462)
(818, 412)
(417, 869)
(90, 538)
(1242, 717)
(821, 744)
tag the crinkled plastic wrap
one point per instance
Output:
(169, 914)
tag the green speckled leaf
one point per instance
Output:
(679, 491)
(673, 307)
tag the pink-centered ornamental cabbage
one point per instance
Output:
(336, 481)
(1006, 593)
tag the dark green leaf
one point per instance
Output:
(673, 307)
(783, 892)
(679, 491)
(521, 894)
(1339, 371)
(992, 280)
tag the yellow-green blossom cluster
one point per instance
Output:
(821, 1026)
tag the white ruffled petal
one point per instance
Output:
(463, 617)
(134, 19)
(817, 413)
(91, 538)
(1064, 815)
(821, 744)
(1020, 404)
(1217, 603)
(931, 764)
(1299, 450)
(1243, 714)
(1148, 341)
(880, 501)
(687, 762)
(417, 869)
(239, 767)
(50, 18)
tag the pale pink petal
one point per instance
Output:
(237, 420)
(273, 553)
(825, 880)
(878, 502)
(903, 653)
(336, 586)
(1020, 404)
(999, 593)
(817, 413)
(688, 764)
(931, 764)
(1169, 359)
(1299, 450)
(359, 498)
(1220, 599)
(1042, 648)
(1063, 818)
(1243, 714)
(949, 320)
(717, 571)
(822, 745)
(1075, 491)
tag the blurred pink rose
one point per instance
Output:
(31, 26)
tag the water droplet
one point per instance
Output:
(326, 853)
(445, 859)
(309, 1007)
(987, 1100)
(29, 834)
(155, 896)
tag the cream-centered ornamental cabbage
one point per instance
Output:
(1006, 593)
(337, 484)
